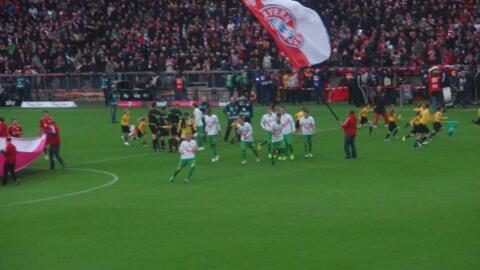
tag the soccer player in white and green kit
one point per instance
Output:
(187, 150)
(307, 129)
(199, 127)
(212, 128)
(288, 126)
(245, 131)
(266, 123)
(278, 142)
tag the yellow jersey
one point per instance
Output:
(425, 117)
(142, 127)
(418, 110)
(478, 113)
(125, 121)
(438, 116)
(285, 80)
(394, 118)
(187, 129)
(299, 115)
(414, 121)
(365, 111)
(235, 123)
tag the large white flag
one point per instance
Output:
(28, 149)
(298, 31)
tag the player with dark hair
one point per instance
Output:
(350, 130)
(393, 128)
(15, 130)
(154, 123)
(10, 153)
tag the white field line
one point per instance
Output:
(114, 179)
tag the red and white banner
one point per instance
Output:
(27, 151)
(298, 31)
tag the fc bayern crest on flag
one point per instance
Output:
(284, 24)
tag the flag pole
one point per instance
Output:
(329, 108)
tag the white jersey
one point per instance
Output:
(246, 132)
(198, 116)
(212, 125)
(277, 132)
(267, 121)
(187, 149)
(307, 125)
(288, 125)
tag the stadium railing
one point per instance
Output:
(86, 86)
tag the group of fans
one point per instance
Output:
(48, 127)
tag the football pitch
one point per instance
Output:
(113, 208)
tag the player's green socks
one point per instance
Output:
(214, 150)
(177, 171)
(255, 151)
(244, 154)
(190, 172)
(200, 140)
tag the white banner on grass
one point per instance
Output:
(49, 104)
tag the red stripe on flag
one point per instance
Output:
(296, 56)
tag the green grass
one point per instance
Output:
(393, 208)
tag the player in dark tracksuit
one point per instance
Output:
(154, 123)
(232, 110)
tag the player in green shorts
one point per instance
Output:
(187, 150)
(307, 129)
(288, 126)
(212, 128)
(278, 142)
(245, 131)
(199, 126)
(266, 123)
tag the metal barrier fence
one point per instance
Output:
(87, 85)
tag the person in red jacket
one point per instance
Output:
(350, 130)
(3, 128)
(435, 87)
(15, 130)
(45, 122)
(179, 87)
(10, 153)
(53, 141)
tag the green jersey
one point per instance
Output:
(232, 110)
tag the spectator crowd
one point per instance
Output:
(45, 36)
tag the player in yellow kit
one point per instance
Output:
(425, 119)
(478, 118)
(125, 125)
(363, 114)
(393, 128)
(437, 122)
(414, 122)
(140, 131)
